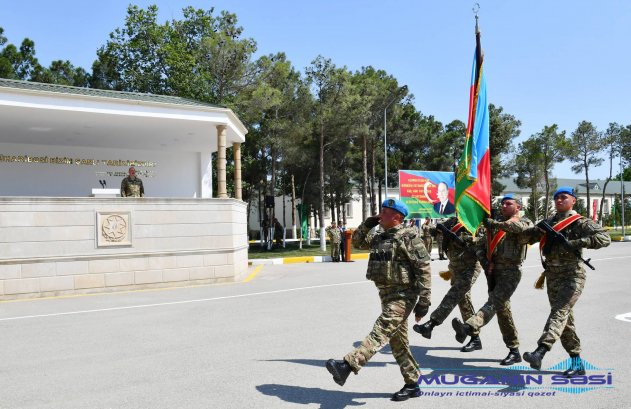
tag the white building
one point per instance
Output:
(64, 150)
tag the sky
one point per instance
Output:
(546, 62)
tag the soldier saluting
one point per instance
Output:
(399, 267)
(565, 275)
(132, 186)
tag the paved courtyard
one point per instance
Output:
(263, 343)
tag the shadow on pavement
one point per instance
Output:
(327, 399)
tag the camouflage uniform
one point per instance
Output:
(566, 278)
(506, 261)
(427, 236)
(399, 266)
(465, 270)
(439, 244)
(335, 237)
(132, 187)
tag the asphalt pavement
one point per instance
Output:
(263, 343)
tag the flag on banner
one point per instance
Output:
(473, 175)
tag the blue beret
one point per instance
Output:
(564, 189)
(397, 205)
(510, 196)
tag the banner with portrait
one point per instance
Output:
(427, 194)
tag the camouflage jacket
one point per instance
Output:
(461, 257)
(511, 251)
(132, 188)
(583, 233)
(398, 259)
(335, 235)
(427, 230)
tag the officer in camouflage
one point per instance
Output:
(501, 256)
(464, 269)
(132, 186)
(335, 239)
(566, 277)
(399, 267)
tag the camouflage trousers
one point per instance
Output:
(391, 327)
(506, 281)
(439, 244)
(427, 241)
(458, 294)
(564, 289)
(335, 250)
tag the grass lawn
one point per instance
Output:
(291, 250)
(616, 235)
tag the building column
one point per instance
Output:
(222, 192)
(236, 148)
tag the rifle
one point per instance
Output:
(554, 236)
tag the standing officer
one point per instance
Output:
(565, 275)
(335, 239)
(132, 186)
(427, 234)
(342, 227)
(399, 267)
(439, 242)
(464, 269)
(501, 256)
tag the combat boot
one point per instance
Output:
(576, 367)
(512, 358)
(534, 358)
(462, 329)
(339, 369)
(425, 329)
(411, 390)
(474, 344)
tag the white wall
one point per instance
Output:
(175, 174)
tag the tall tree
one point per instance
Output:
(612, 143)
(587, 144)
(554, 146)
(330, 84)
(529, 169)
(503, 128)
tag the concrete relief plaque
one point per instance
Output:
(113, 229)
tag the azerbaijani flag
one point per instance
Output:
(473, 175)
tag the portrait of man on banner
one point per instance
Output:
(427, 194)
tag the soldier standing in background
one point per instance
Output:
(132, 186)
(464, 269)
(439, 243)
(565, 275)
(399, 267)
(501, 256)
(342, 228)
(426, 228)
(335, 239)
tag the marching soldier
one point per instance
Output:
(565, 275)
(399, 267)
(464, 269)
(132, 186)
(501, 256)
(335, 238)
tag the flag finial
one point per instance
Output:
(476, 10)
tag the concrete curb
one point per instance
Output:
(304, 259)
